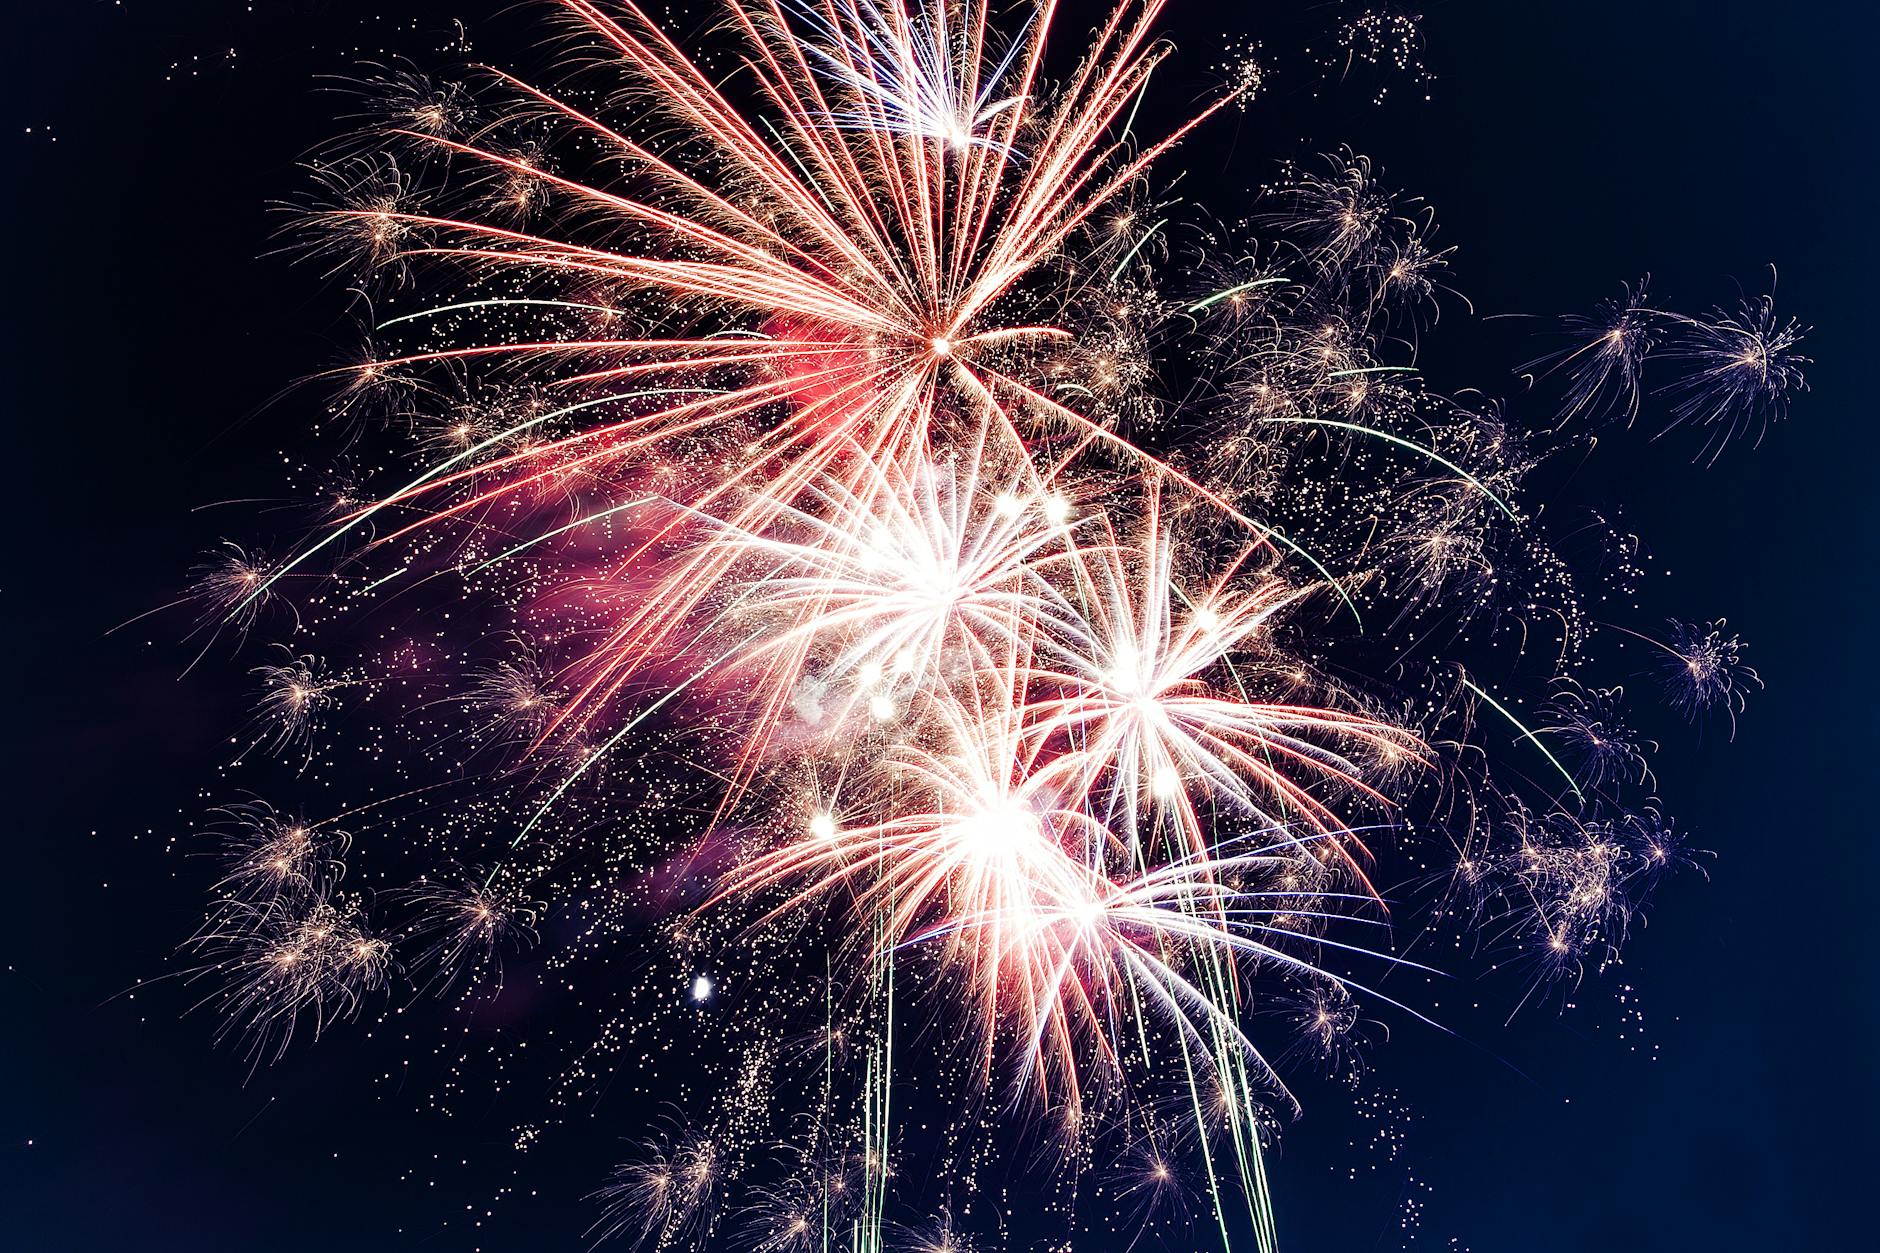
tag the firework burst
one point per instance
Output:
(876, 617)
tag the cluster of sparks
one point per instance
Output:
(1740, 365)
(829, 436)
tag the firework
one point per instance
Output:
(268, 855)
(1605, 361)
(1738, 369)
(462, 931)
(1330, 1028)
(1742, 367)
(227, 583)
(666, 1194)
(295, 696)
(873, 616)
(1590, 721)
(1704, 669)
(284, 950)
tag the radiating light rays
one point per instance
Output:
(869, 267)
(999, 852)
(873, 314)
(901, 281)
(1743, 367)
(1059, 931)
(933, 575)
(1143, 708)
(865, 266)
(911, 74)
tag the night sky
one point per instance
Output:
(1567, 148)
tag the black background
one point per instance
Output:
(1568, 147)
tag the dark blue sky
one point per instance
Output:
(1568, 147)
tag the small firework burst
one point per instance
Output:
(270, 855)
(231, 585)
(1245, 71)
(666, 1196)
(1741, 368)
(1329, 1028)
(365, 223)
(294, 699)
(1590, 723)
(1604, 361)
(1704, 670)
(463, 930)
(514, 699)
(1383, 39)
(288, 963)
(1564, 888)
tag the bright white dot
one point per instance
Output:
(1057, 510)
(1008, 505)
(1167, 781)
(942, 346)
(822, 826)
(702, 988)
(1207, 620)
(882, 708)
(999, 829)
(904, 661)
(870, 674)
(1125, 676)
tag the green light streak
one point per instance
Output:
(617, 736)
(1231, 292)
(377, 583)
(440, 468)
(494, 303)
(1201, 1138)
(1142, 89)
(1131, 254)
(1372, 369)
(1387, 437)
(1525, 734)
(560, 530)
